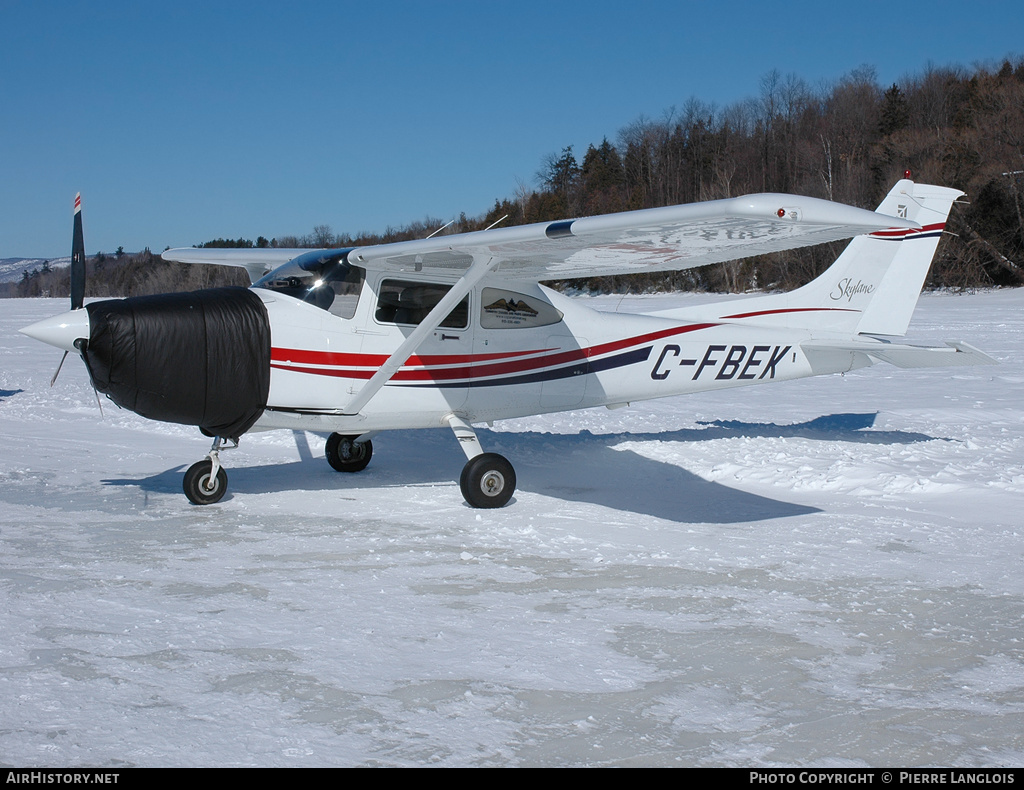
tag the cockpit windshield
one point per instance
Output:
(323, 278)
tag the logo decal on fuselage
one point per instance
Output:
(510, 308)
(847, 289)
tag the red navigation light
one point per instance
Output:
(781, 212)
(906, 174)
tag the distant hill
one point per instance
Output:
(131, 274)
(11, 268)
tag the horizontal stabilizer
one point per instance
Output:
(837, 357)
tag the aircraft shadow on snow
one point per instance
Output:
(584, 467)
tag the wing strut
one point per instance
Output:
(481, 266)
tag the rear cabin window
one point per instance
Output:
(501, 309)
(405, 302)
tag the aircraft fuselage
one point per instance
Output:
(586, 358)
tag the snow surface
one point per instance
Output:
(819, 572)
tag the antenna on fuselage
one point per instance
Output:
(496, 222)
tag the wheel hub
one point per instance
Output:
(492, 483)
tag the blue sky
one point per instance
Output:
(186, 121)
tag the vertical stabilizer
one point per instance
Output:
(874, 285)
(895, 297)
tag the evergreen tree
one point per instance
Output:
(561, 177)
(602, 179)
(895, 112)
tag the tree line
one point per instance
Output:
(848, 142)
(131, 274)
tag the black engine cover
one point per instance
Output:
(198, 358)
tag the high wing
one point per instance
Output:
(651, 240)
(255, 261)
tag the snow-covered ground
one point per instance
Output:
(827, 571)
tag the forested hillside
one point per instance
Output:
(848, 142)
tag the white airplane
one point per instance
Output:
(456, 330)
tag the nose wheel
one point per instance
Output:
(206, 482)
(202, 485)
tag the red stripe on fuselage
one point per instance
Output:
(303, 356)
(793, 310)
(467, 371)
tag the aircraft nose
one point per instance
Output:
(61, 330)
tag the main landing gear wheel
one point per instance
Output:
(203, 488)
(344, 455)
(488, 480)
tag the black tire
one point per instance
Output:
(344, 455)
(198, 486)
(488, 481)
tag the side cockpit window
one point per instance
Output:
(322, 278)
(405, 302)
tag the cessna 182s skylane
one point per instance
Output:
(456, 330)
